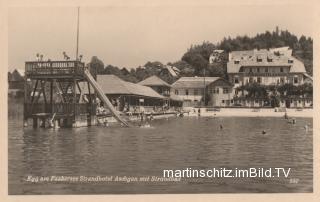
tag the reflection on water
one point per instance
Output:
(177, 143)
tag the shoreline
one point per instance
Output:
(250, 112)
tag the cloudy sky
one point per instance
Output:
(130, 36)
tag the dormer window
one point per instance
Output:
(236, 62)
(259, 59)
(290, 61)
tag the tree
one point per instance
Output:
(96, 65)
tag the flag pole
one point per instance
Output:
(77, 50)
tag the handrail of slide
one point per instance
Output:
(104, 98)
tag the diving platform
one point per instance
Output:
(53, 94)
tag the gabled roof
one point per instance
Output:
(17, 75)
(112, 84)
(194, 82)
(21, 72)
(174, 71)
(270, 58)
(154, 81)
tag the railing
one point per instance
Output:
(59, 108)
(62, 68)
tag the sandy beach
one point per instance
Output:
(250, 112)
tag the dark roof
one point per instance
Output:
(154, 81)
(17, 75)
(174, 71)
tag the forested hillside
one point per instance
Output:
(196, 58)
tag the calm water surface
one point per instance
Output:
(177, 143)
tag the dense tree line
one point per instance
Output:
(195, 62)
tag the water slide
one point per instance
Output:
(104, 98)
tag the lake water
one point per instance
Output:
(177, 143)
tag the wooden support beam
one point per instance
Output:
(90, 98)
(80, 91)
(43, 88)
(34, 91)
(61, 91)
(51, 92)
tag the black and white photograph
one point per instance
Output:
(165, 98)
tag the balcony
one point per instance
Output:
(54, 69)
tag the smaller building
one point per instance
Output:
(216, 56)
(157, 84)
(209, 91)
(131, 97)
(170, 71)
(16, 81)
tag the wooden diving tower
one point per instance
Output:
(54, 96)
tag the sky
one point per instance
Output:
(133, 35)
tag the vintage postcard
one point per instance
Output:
(161, 98)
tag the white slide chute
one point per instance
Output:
(104, 98)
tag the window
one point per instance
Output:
(281, 80)
(259, 79)
(217, 90)
(281, 69)
(250, 80)
(236, 62)
(290, 61)
(295, 79)
(196, 92)
(176, 92)
(259, 60)
(250, 70)
(236, 80)
(266, 69)
(187, 92)
(258, 69)
(222, 101)
(225, 90)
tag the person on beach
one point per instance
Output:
(286, 116)
(199, 111)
